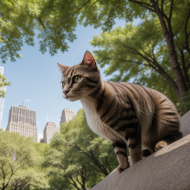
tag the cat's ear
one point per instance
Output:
(88, 60)
(63, 68)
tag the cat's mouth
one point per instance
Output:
(70, 98)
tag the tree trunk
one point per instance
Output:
(168, 79)
(172, 52)
(185, 71)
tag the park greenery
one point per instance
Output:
(154, 53)
(3, 84)
(76, 158)
(19, 163)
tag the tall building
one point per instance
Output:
(67, 115)
(49, 130)
(23, 120)
(1, 99)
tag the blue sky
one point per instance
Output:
(36, 78)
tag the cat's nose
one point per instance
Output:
(65, 92)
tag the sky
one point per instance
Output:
(36, 78)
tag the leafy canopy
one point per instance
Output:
(17, 153)
(129, 53)
(3, 84)
(78, 155)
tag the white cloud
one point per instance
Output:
(28, 100)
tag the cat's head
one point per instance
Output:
(80, 80)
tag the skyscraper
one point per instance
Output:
(49, 130)
(67, 115)
(23, 120)
(1, 99)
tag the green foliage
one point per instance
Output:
(78, 155)
(79, 137)
(29, 178)
(57, 182)
(127, 51)
(184, 103)
(139, 53)
(18, 162)
(17, 24)
(57, 22)
(3, 83)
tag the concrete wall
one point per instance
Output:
(185, 124)
(167, 169)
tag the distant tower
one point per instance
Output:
(67, 115)
(1, 99)
(49, 130)
(23, 120)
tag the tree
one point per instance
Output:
(59, 183)
(170, 23)
(68, 166)
(28, 178)
(17, 24)
(158, 46)
(16, 154)
(133, 55)
(78, 155)
(171, 33)
(86, 142)
(3, 83)
(57, 20)
(20, 20)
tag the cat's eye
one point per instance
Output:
(63, 84)
(76, 79)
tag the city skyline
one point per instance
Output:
(22, 120)
(48, 132)
(21, 117)
(66, 115)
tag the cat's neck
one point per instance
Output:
(92, 99)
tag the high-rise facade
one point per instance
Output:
(1, 98)
(67, 115)
(49, 130)
(23, 120)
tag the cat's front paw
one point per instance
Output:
(120, 169)
(160, 145)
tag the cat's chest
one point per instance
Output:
(93, 117)
(95, 122)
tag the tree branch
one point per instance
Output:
(180, 24)
(162, 3)
(40, 21)
(185, 70)
(145, 5)
(74, 183)
(171, 8)
(187, 34)
(93, 4)
(81, 7)
(78, 179)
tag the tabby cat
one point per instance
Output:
(125, 113)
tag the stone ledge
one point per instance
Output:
(185, 124)
(167, 169)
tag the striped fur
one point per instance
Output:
(122, 112)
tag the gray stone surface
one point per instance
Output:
(185, 124)
(167, 169)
